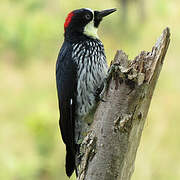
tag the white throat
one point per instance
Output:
(90, 30)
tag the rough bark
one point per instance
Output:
(109, 150)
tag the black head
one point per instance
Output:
(84, 22)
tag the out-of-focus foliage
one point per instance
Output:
(31, 33)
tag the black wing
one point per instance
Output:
(66, 87)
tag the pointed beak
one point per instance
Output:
(106, 12)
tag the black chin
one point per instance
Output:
(98, 15)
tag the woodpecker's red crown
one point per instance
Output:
(84, 21)
(68, 19)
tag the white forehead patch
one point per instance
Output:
(90, 10)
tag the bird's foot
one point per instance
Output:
(100, 93)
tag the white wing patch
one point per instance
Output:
(71, 101)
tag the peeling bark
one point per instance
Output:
(109, 150)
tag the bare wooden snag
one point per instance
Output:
(109, 149)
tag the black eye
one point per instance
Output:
(87, 16)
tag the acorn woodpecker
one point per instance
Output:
(81, 68)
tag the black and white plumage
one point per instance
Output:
(80, 71)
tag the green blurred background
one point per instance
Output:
(31, 33)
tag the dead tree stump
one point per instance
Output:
(109, 149)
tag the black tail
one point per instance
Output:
(70, 161)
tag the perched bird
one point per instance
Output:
(80, 71)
